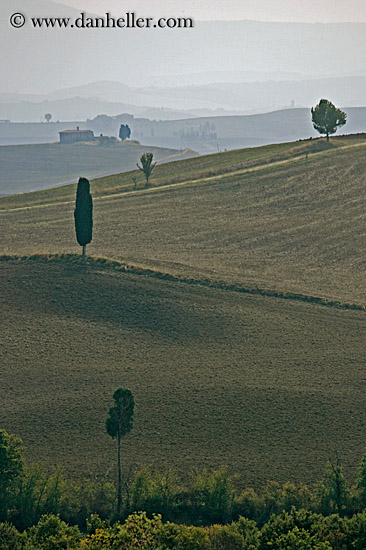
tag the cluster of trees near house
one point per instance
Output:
(205, 131)
(124, 132)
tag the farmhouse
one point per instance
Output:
(73, 136)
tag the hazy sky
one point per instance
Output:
(45, 60)
(263, 10)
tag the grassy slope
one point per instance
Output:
(269, 387)
(27, 167)
(289, 227)
(193, 168)
(189, 169)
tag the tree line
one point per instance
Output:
(203, 498)
(294, 530)
(211, 516)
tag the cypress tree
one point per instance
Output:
(83, 214)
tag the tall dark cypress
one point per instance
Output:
(83, 214)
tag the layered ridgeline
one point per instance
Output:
(191, 316)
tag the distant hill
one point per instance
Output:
(166, 102)
(31, 167)
(32, 109)
(203, 134)
(250, 93)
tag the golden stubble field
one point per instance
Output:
(271, 388)
(293, 227)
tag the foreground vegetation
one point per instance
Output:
(41, 511)
(298, 530)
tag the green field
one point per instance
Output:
(271, 387)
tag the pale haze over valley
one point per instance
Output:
(240, 42)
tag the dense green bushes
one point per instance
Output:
(297, 530)
(205, 498)
(44, 511)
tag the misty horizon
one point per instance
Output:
(220, 67)
(329, 11)
(44, 61)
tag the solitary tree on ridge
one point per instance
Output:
(83, 214)
(327, 118)
(147, 165)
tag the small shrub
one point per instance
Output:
(357, 531)
(248, 504)
(192, 538)
(335, 531)
(10, 538)
(225, 536)
(250, 533)
(298, 539)
(101, 539)
(212, 496)
(279, 525)
(51, 533)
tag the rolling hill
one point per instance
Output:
(27, 168)
(234, 309)
(261, 217)
(269, 387)
(234, 132)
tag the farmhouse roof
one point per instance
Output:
(75, 132)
